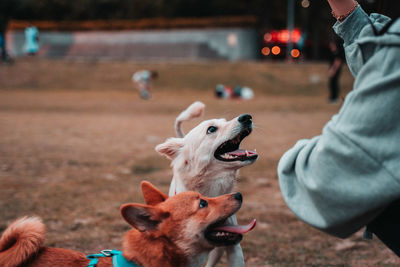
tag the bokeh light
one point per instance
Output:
(305, 3)
(232, 39)
(267, 37)
(276, 50)
(266, 51)
(295, 53)
(282, 36)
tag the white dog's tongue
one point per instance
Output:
(242, 152)
(239, 229)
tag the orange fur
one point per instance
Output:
(168, 232)
(21, 240)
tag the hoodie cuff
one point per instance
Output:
(350, 28)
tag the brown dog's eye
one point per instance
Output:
(211, 129)
(203, 203)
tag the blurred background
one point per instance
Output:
(188, 30)
(76, 138)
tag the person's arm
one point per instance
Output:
(335, 66)
(356, 30)
(341, 180)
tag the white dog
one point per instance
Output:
(207, 160)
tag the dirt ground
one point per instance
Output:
(76, 140)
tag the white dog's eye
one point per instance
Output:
(211, 129)
(203, 204)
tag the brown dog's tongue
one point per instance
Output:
(239, 229)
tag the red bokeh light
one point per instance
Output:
(282, 36)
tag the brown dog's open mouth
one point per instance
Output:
(220, 234)
(230, 151)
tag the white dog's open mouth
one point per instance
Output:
(230, 151)
(221, 234)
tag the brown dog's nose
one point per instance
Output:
(245, 118)
(238, 197)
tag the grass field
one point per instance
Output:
(76, 140)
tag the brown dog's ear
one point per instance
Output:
(152, 196)
(170, 148)
(143, 217)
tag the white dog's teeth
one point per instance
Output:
(229, 156)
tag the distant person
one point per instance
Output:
(246, 93)
(3, 28)
(142, 81)
(3, 47)
(223, 91)
(31, 46)
(238, 92)
(335, 68)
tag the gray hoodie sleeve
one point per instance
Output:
(340, 180)
(356, 28)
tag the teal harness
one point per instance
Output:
(117, 259)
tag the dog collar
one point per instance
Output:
(117, 258)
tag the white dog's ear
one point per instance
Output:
(170, 148)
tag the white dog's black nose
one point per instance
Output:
(245, 118)
(238, 197)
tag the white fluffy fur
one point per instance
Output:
(195, 110)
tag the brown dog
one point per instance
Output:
(174, 231)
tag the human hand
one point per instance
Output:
(342, 8)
